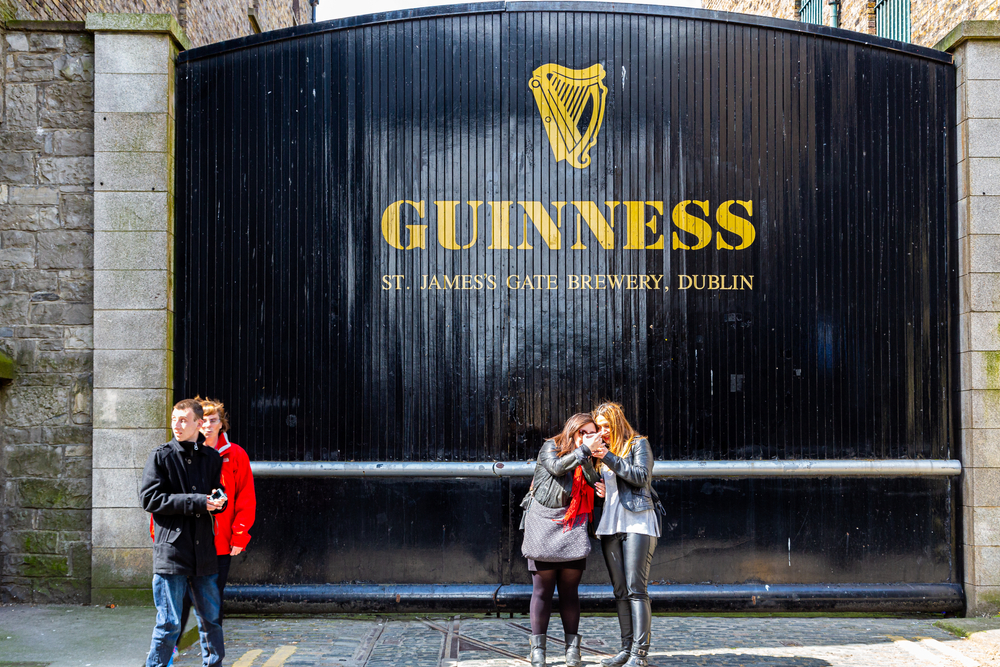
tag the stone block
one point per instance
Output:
(51, 118)
(80, 43)
(74, 67)
(33, 195)
(77, 468)
(962, 218)
(133, 329)
(17, 258)
(131, 290)
(982, 59)
(984, 331)
(984, 215)
(30, 406)
(981, 447)
(132, 369)
(33, 461)
(120, 527)
(987, 566)
(62, 519)
(984, 253)
(17, 239)
(60, 591)
(982, 98)
(984, 292)
(66, 170)
(117, 487)
(131, 408)
(73, 142)
(136, 172)
(985, 526)
(54, 493)
(30, 541)
(132, 211)
(132, 132)
(981, 370)
(126, 448)
(23, 141)
(37, 565)
(18, 217)
(132, 53)
(67, 435)
(131, 93)
(983, 137)
(17, 41)
(986, 410)
(78, 338)
(78, 211)
(984, 176)
(62, 313)
(121, 568)
(77, 286)
(75, 97)
(65, 250)
(132, 250)
(64, 361)
(46, 41)
(17, 168)
(22, 107)
(79, 560)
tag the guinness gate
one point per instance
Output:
(410, 245)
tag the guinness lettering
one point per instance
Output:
(404, 227)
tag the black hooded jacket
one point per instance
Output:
(177, 478)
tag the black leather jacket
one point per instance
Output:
(635, 475)
(553, 482)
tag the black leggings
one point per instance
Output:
(628, 557)
(543, 585)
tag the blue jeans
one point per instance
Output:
(168, 596)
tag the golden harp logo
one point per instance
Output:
(571, 103)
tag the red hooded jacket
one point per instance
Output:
(232, 525)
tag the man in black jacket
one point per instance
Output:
(176, 488)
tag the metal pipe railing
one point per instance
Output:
(664, 469)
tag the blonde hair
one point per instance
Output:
(213, 406)
(622, 433)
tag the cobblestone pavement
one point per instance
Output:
(475, 641)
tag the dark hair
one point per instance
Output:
(214, 406)
(564, 441)
(191, 404)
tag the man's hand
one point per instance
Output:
(214, 505)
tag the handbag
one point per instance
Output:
(546, 539)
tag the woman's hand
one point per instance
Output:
(600, 489)
(597, 448)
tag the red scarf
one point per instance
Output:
(582, 502)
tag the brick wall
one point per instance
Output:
(929, 21)
(46, 314)
(204, 21)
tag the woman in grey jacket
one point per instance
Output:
(628, 529)
(563, 479)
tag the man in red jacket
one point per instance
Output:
(232, 525)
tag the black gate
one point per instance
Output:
(429, 237)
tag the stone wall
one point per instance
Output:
(46, 312)
(203, 21)
(929, 21)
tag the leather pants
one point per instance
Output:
(628, 557)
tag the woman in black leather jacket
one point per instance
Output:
(557, 485)
(628, 529)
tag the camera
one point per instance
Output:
(218, 494)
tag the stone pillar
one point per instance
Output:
(133, 285)
(976, 47)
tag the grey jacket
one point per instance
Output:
(635, 475)
(553, 482)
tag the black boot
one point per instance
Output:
(638, 657)
(621, 657)
(537, 654)
(573, 657)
